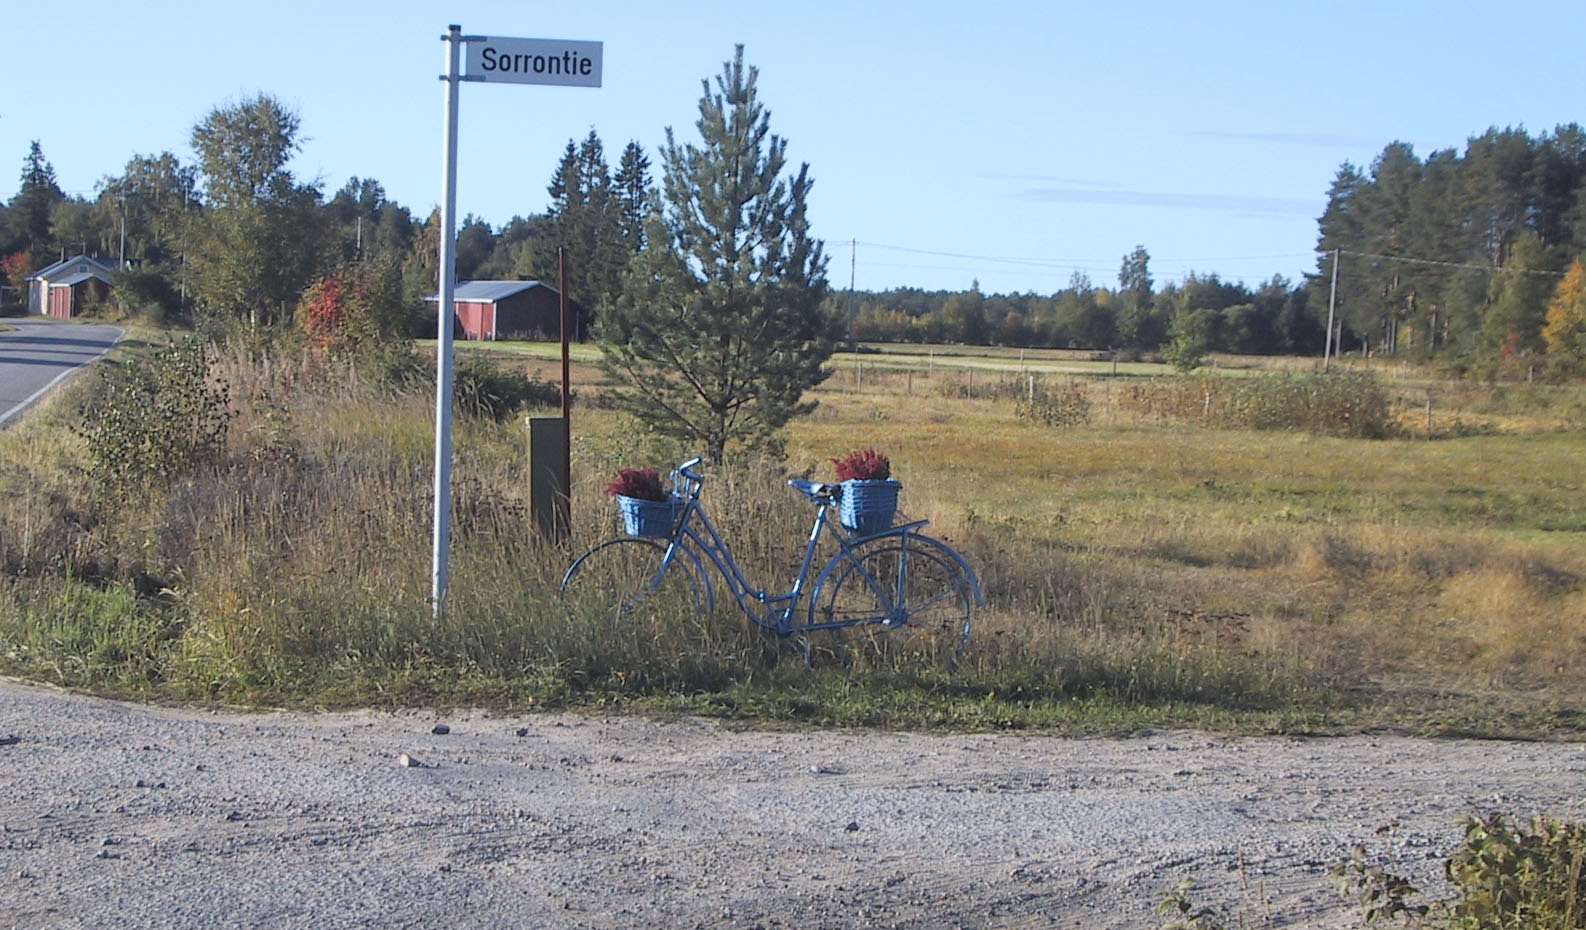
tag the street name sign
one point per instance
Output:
(491, 60)
(533, 61)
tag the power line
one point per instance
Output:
(1037, 262)
(1428, 261)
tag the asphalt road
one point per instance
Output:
(36, 354)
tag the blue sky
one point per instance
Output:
(1009, 142)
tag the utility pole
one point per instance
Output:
(853, 323)
(1332, 306)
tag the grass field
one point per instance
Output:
(1141, 569)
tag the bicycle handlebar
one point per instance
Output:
(685, 471)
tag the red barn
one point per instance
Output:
(511, 310)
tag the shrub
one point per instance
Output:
(986, 388)
(1348, 404)
(483, 388)
(1505, 875)
(357, 303)
(1065, 406)
(154, 419)
(148, 293)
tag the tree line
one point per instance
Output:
(1134, 317)
(1469, 257)
(233, 234)
(1462, 256)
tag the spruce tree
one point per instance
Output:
(719, 331)
(585, 219)
(632, 182)
(36, 196)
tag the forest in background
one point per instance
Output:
(1471, 257)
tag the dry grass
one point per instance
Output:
(1182, 574)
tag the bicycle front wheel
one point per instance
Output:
(630, 576)
(903, 592)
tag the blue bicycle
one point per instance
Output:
(899, 580)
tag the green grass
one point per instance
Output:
(1139, 573)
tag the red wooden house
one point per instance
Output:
(65, 288)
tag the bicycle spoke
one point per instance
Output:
(900, 596)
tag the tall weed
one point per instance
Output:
(1346, 404)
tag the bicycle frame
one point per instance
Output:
(696, 538)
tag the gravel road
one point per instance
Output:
(121, 815)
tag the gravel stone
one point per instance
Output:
(702, 820)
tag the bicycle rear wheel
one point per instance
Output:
(625, 578)
(902, 594)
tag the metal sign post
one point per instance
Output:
(490, 60)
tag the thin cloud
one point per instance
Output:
(1224, 203)
(1078, 183)
(1315, 139)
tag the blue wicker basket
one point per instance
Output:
(649, 518)
(869, 505)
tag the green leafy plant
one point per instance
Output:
(863, 465)
(1380, 893)
(155, 419)
(641, 483)
(484, 388)
(1506, 876)
(1184, 914)
(1512, 875)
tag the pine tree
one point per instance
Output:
(720, 331)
